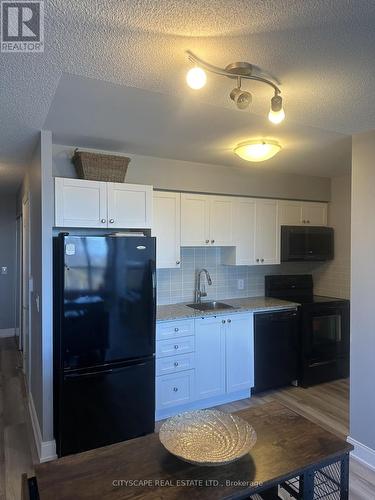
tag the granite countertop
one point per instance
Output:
(251, 304)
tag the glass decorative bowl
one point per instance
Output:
(207, 437)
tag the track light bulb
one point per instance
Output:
(242, 98)
(196, 78)
(277, 113)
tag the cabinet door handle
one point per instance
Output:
(229, 321)
(103, 221)
(175, 363)
(223, 321)
(262, 260)
(212, 241)
(308, 222)
(175, 389)
(303, 222)
(207, 242)
(176, 346)
(176, 329)
(178, 262)
(111, 221)
(257, 260)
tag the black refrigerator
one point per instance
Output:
(104, 340)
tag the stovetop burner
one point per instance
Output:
(296, 288)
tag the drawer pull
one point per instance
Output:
(176, 329)
(175, 389)
(223, 321)
(175, 363)
(176, 346)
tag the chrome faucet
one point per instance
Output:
(200, 290)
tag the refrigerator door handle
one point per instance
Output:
(88, 374)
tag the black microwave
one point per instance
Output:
(306, 243)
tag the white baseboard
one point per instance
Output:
(362, 453)
(46, 450)
(6, 332)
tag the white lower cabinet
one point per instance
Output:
(239, 351)
(174, 390)
(210, 357)
(203, 362)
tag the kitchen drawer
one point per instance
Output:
(172, 347)
(175, 389)
(173, 364)
(173, 329)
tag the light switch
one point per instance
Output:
(4, 270)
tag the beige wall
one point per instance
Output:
(362, 392)
(199, 177)
(333, 278)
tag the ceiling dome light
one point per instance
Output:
(277, 113)
(257, 150)
(196, 78)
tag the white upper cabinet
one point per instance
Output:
(80, 203)
(195, 217)
(266, 232)
(239, 349)
(244, 231)
(129, 205)
(290, 213)
(166, 228)
(314, 214)
(295, 213)
(221, 220)
(206, 220)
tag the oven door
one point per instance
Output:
(325, 333)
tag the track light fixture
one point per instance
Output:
(196, 79)
(242, 98)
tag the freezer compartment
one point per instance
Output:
(105, 406)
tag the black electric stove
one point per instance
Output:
(324, 328)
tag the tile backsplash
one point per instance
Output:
(178, 285)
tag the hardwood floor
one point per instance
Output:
(16, 454)
(326, 404)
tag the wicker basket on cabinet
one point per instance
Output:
(100, 167)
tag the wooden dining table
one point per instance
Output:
(290, 451)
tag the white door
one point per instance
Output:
(26, 288)
(80, 203)
(314, 214)
(166, 228)
(195, 216)
(129, 205)
(19, 281)
(244, 231)
(210, 357)
(266, 233)
(239, 346)
(221, 221)
(290, 213)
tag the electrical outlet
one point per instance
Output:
(240, 284)
(4, 270)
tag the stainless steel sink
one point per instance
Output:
(210, 306)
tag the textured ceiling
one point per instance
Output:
(321, 51)
(96, 114)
